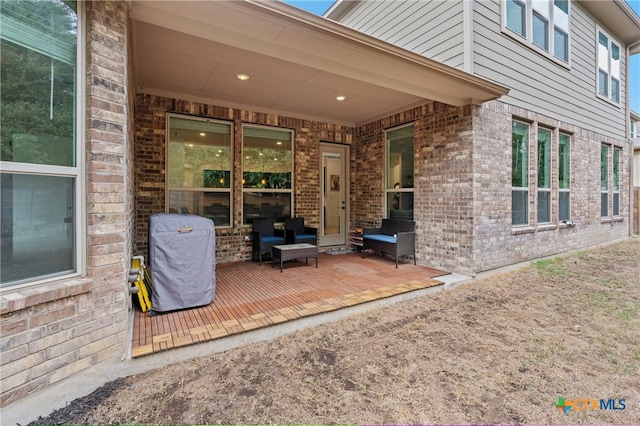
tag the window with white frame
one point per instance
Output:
(608, 84)
(519, 173)
(604, 180)
(267, 171)
(616, 181)
(564, 177)
(399, 187)
(199, 164)
(39, 152)
(544, 175)
(543, 24)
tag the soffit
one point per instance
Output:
(298, 62)
(618, 16)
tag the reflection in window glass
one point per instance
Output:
(520, 155)
(616, 181)
(519, 173)
(540, 31)
(516, 16)
(400, 155)
(564, 174)
(561, 44)
(38, 68)
(267, 171)
(604, 181)
(37, 226)
(544, 175)
(199, 168)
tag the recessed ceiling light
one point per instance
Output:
(341, 97)
(242, 77)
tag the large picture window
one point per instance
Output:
(199, 159)
(267, 171)
(38, 147)
(519, 173)
(399, 188)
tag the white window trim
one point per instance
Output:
(557, 177)
(528, 222)
(526, 189)
(597, 76)
(552, 137)
(608, 182)
(388, 191)
(615, 192)
(549, 209)
(76, 172)
(271, 190)
(528, 39)
(533, 190)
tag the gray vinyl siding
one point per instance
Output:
(430, 28)
(537, 83)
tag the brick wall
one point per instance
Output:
(443, 181)
(53, 331)
(496, 243)
(150, 163)
(367, 167)
(462, 200)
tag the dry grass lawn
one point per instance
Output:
(497, 350)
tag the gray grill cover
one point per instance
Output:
(183, 261)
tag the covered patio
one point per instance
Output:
(319, 80)
(251, 296)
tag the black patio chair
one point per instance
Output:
(265, 236)
(296, 232)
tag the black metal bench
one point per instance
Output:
(394, 237)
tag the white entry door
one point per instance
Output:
(334, 191)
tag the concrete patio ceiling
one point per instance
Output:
(297, 63)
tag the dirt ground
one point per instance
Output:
(497, 350)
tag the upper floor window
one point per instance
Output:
(544, 24)
(608, 67)
(40, 175)
(199, 160)
(399, 188)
